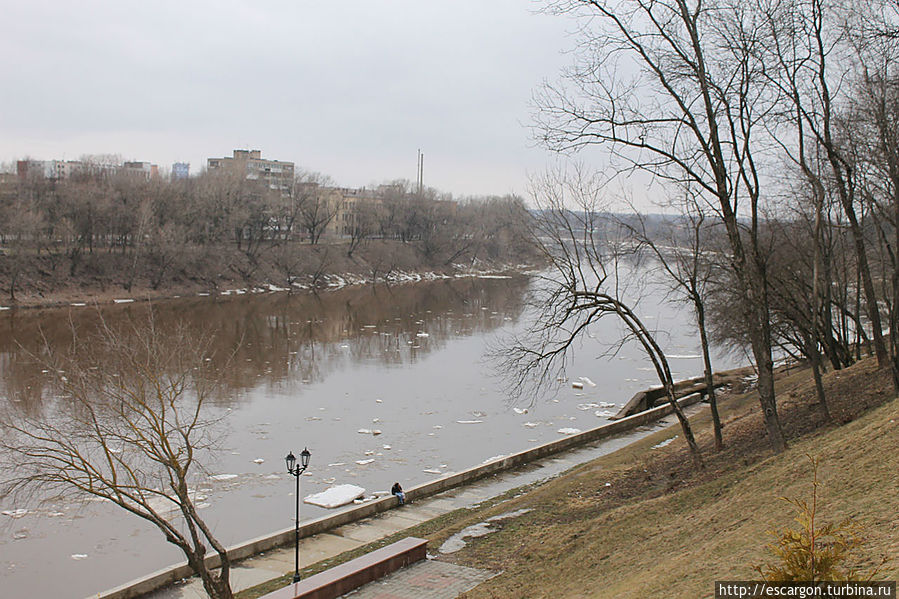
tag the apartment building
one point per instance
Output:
(275, 174)
(180, 170)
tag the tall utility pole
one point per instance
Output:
(420, 175)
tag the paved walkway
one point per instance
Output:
(429, 579)
(313, 549)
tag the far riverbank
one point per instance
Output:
(100, 279)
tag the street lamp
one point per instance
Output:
(296, 470)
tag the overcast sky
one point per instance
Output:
(351, 89)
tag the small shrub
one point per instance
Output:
(814, 552)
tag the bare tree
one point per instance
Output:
(685, 258)
(805, 46)
(314, 204)
(133, 431)
(583, 286)
(674, 88)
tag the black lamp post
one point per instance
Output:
(296, 470)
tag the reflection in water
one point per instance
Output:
(277, 339)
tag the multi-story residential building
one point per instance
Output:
(65, 169)
(350, 210)
(144, 170)
(180, 170)
(276, 174)
(43, 169)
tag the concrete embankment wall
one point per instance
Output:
(250, 548)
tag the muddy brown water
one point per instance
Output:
(310, 371)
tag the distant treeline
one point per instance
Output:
(105, 232)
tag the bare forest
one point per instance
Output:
(101, 234)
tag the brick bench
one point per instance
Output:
(342, 579)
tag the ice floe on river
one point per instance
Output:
(335, 496)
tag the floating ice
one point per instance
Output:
(375, 432)
(364, 462)
(568, 431)
(577, 385)
(335, 496)
(587, 406)
(604, 413)
(664, 443)
(79, 304)
(122, 301)
(607, 404)
(329, 481)
(379, 401)
(496, 457)
(79, 556)
(520, 410)
(258, 461)
(375, 420)
(364, 431)
(683, 357)
(530, 424)
(223, 476)
(587, 381)
(469, 421)
(422, 335)
(438, 427)
(385, 447)
(432, 471)
(15, 513)
(370, 452)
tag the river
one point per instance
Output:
(311, 371)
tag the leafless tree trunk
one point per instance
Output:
(687, 266)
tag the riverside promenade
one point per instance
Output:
(325, 545)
